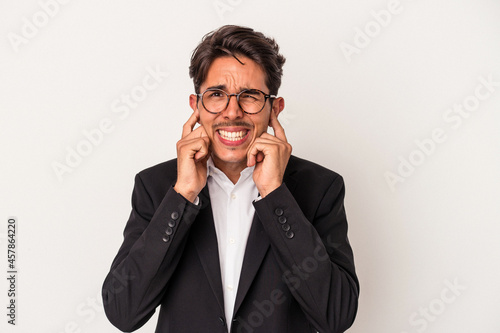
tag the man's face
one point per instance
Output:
(228, 74)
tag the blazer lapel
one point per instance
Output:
(205, 240)
(257, 246)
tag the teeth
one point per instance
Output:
(232, 136)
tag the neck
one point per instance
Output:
(231, 169)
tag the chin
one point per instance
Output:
(231, 158)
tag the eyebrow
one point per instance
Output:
(224, 87)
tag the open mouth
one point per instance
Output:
(232, 136)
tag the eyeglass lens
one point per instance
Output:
(251, 101)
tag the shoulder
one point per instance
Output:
(303, 169)
(166, 169)
(156, 180)
(310, 182)
(313, 185)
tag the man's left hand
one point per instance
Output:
(270, 154)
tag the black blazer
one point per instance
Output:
(298, 270)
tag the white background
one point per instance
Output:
(357, 114)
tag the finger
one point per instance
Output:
(203, 132)
(188, 146)
(189, 125)
(197, 133)
(279, 132)
(251, 156)
(203, 151)
(260, 157)
(267, 146)
(268, 138)
(205, 158)
(256, 153)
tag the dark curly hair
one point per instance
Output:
(232, 40)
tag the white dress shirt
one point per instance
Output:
(233, 213)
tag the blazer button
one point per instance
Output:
(223, 323)
(282, 219)
(285, 227)
(289, 234)
(174, 215)
(278, 211)
(171, 223)
(166, 239)
(169, 231)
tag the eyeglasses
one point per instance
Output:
(251, 101)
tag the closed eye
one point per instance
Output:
(250, 95)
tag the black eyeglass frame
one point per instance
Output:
(266, 97)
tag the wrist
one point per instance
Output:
(188, 195)
(264, 191)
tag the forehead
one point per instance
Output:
(231, 75)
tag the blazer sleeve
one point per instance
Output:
(314, 253)
(154, 239)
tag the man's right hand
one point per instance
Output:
(192, 154)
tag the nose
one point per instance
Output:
(233, 110)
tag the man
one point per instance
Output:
(235, 235)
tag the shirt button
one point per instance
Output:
(278, 211)
(174, 215)
(233, 196)
(230, 288)
(231, 240)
